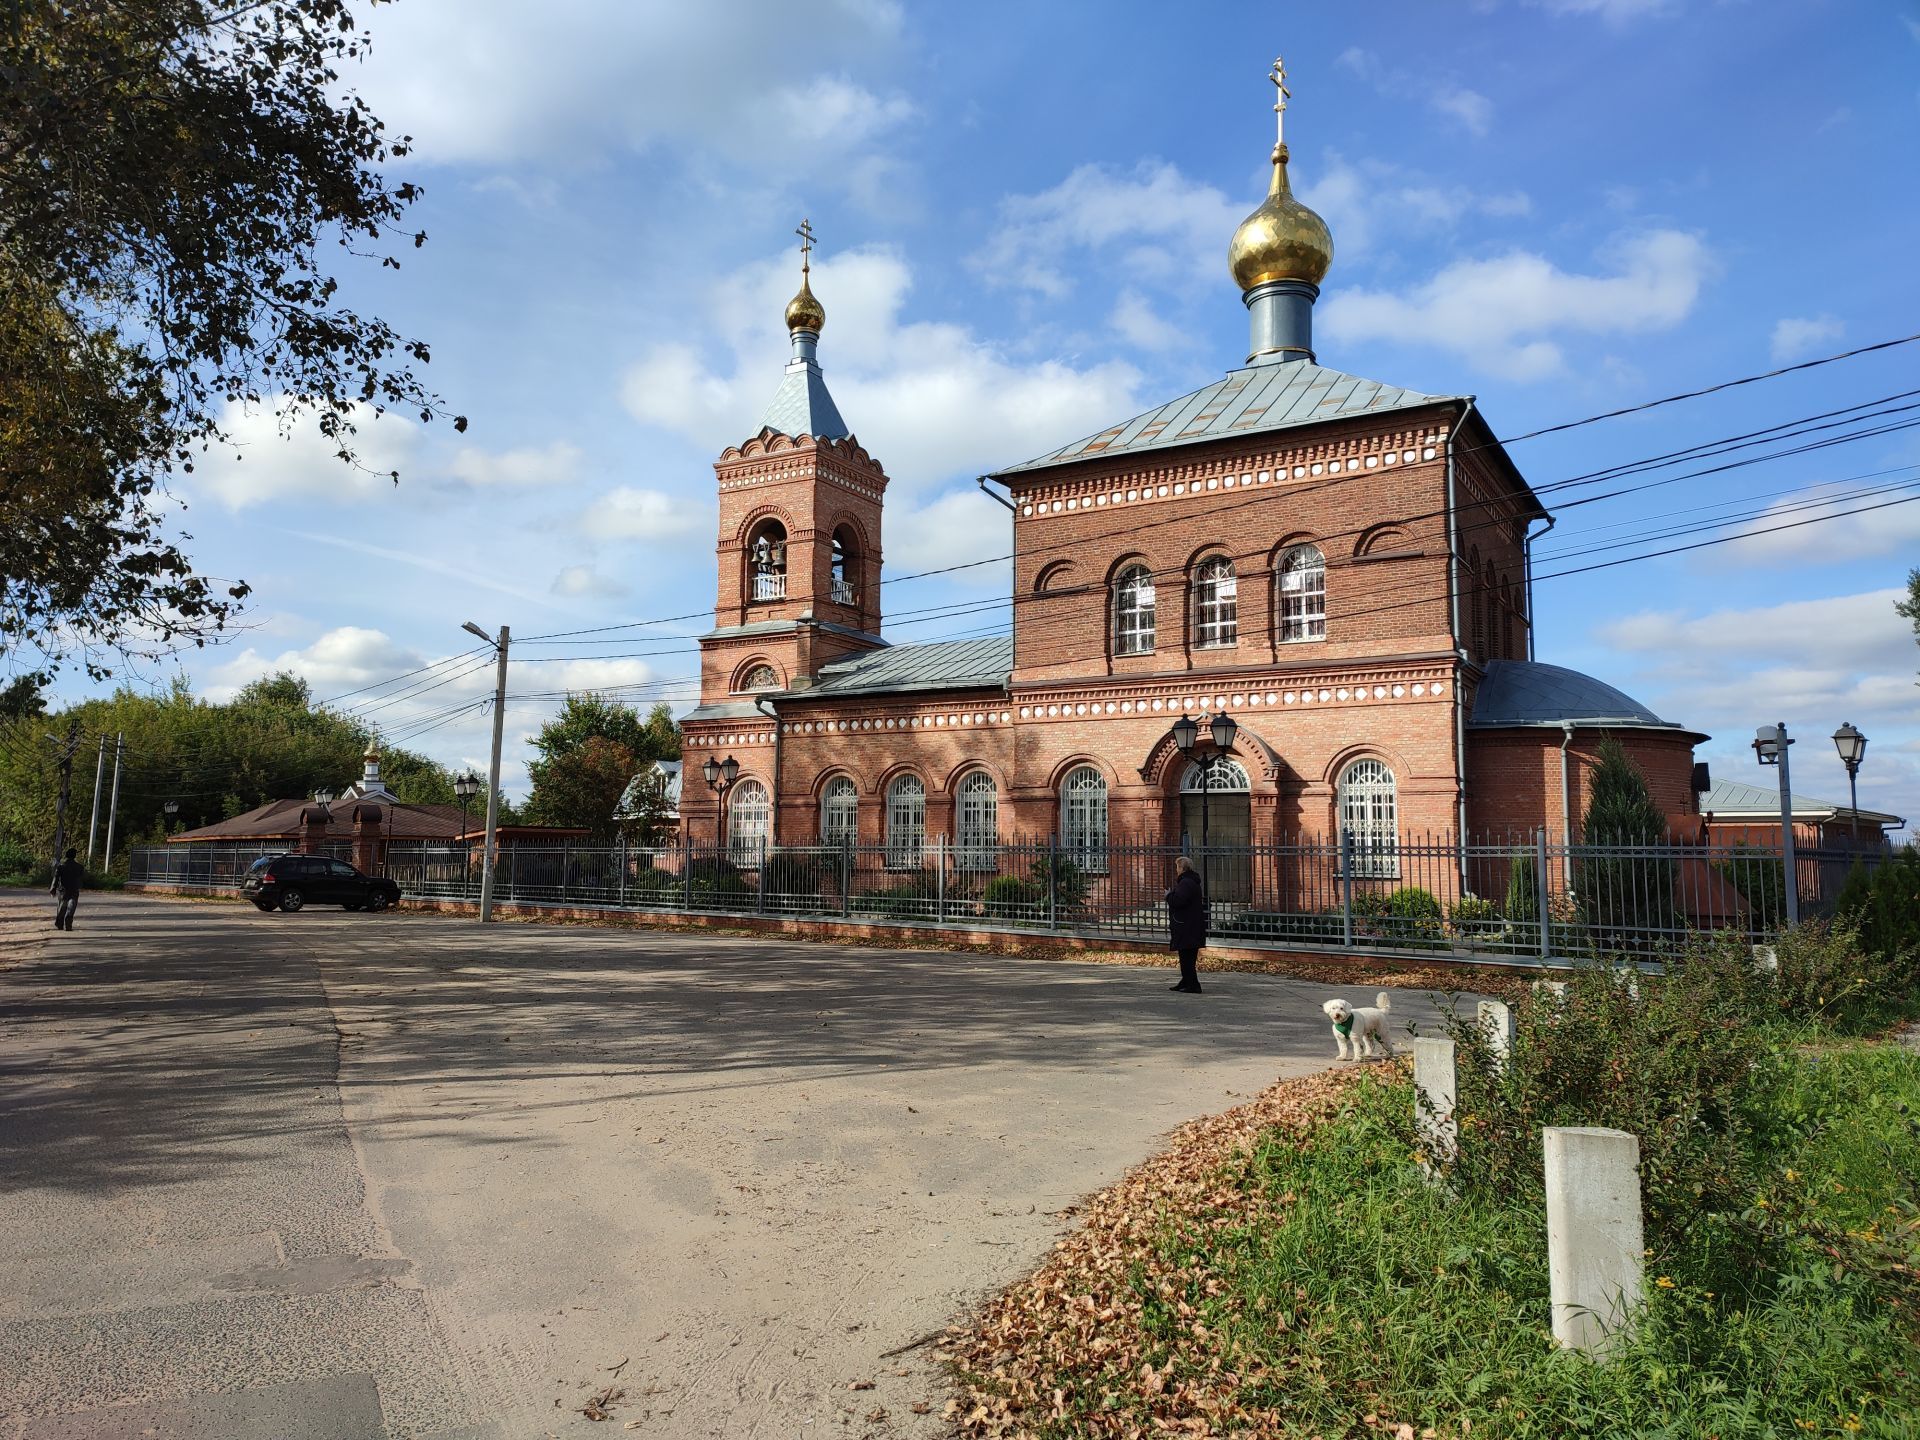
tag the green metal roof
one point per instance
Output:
(982, 664)
(1248, 401)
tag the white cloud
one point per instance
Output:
(480, 82)
(341, 659)
(1613, 12)
(1844, 631)
(1142, 327)
(1796, 338)
(633, 513)
(269, 464)
(1369, 203)
(1506, 314)
(1470, 108)
(520, 469)
(931, 400)
(1875, 526)
(954, 529)
(584, 580)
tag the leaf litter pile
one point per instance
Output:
(1066, 1351)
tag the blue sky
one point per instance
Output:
(1562, 207)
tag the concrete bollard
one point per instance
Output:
(1496, 1023)
(1625, 977)
(1595, 1270)
(1766, 959)
(1436, 1090)
(1555, 990)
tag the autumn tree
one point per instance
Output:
(589, 755)
(175, 178)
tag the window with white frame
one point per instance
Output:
(760, 677)
(1369, 817)
(906, 822)
(1083, 818)
(1133, 602)
(1216, 775)
(749, 822)
(977, 823)
(839, 812)
(1303, 594)
(1216, 604)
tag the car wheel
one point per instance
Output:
(263, 907)
(291, 900)
(377, 901)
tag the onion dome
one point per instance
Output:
(1282, 240)
(804, 312)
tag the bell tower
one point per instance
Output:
(799, 543)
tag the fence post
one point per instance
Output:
(1496, 1023)
(940, 881)
(760, 897)
(846, 875)
(1594, 1233)
(1543, 892)
(1053, 882)
(686, 870)
(1436, 1089)
(620, 884)
(1346, 887)
(566, 872)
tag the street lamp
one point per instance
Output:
(466, 785)
(1186, 738)
(1852, 746)
(172, 807)
(720, 775)
(1770, 744)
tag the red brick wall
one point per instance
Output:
(1514, 778)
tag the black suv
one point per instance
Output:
(292, 882)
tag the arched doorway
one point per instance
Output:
(1216, 826)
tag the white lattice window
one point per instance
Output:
(906, 822)
(1217, 775)
(1133, 604)
(977, 823)
(1368, 816)
(749, 822)
(760, 677)
(1216, 604)
(1303, 594)
(1083, 818)
(839, 812)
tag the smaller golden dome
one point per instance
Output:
(804, 312)
(1282, 240)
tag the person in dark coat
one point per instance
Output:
(1187, 923)
(67, 878)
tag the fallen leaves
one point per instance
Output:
(1068, 1346)
(596, 1406)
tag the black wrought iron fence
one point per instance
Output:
(208, 867)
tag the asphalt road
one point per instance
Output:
(335, 1177)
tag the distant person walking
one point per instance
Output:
(68, 876)
(1187, 923)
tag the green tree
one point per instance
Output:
(589, 755)
(175, 178)
(1910, 607)
(1623, 892)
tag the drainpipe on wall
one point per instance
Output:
(1566, 801)
(981, 481)
(760, 703)
(1552, 520)
(1459, 650)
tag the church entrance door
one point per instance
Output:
(1227, 865)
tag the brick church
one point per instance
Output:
(1339, 564)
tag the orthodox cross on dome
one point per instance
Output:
(1278, 75)
(807, 242)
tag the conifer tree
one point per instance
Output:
(1625, 890)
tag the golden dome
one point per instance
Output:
(1282, 240)
(803, 311)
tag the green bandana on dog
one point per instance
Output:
(1343, 1028)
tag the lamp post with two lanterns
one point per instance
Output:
(1186, 738)
(720, 775)
(465, 785)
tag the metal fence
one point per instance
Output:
(207, 867)
(1513, 898)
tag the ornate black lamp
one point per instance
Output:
(1186, 738)
(1852, 746)
(720, 775)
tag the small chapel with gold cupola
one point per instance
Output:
(1327, 575)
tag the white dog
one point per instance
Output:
(1361, 1027)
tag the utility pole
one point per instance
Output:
(493, 770)
(65, 749)
(113, 805)
(93, 824)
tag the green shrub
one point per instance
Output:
(15, 858)
(1884, 904)
(1523, 889)
(1623, 894)
(1470, 915)
(1069, 884)
(1824, 976)
(717, 884)
(909, 897)
(787, 875)
(1006, 893)
(1761, 880)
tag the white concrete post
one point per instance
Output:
(1496, 1023)
(1595, 1269)
(1766, 959)
(1436, 1088)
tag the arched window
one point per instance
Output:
(906, 822)
(1303, 594)
(845, 565)
(1217, 774)
(1083, 818)
(767, 561)
(760, 677)
(749, 822)
(839, 812)
(1216, 604)
(1369, 816)
(977, 823)
(1133, 601)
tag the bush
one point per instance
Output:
(1761, 880)
(787, 875)
(1884, 905)
(15, 858)
(1470, 916)
(1825, 976)
(1622, 895)
(1408, 915)
(1069, 884)
(1523, 890)
(1009, 893)
(908, 898)
(716, 884)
